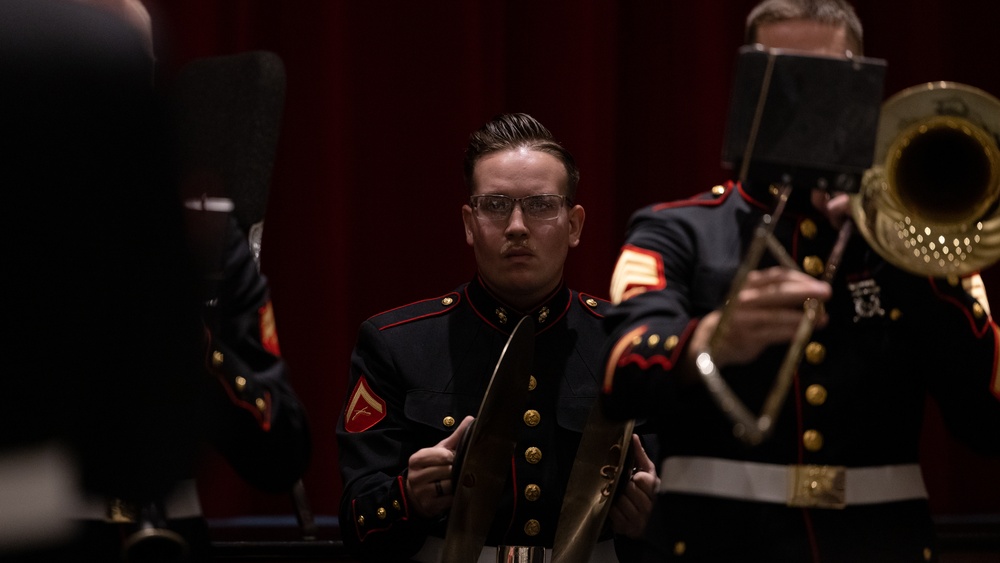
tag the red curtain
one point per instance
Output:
(363, 212)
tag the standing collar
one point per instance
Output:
(504, 317)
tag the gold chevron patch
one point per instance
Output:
(638, 270)
(365, 410)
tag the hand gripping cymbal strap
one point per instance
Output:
(750, 428)
(488, 447)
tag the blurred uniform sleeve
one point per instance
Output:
(257, 422)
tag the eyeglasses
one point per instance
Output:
(497, 207)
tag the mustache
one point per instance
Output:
(511, 246)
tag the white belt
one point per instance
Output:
(181, 502)
(819, 486)
(604, 552)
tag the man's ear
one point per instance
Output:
(467, 220)
(576, 217)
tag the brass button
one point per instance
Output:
(261, 404)
(448, 421)
(670, 343)
(241, 382)
(813, 265)
(396, 505)
(718, 190)
(591, 302)
(653, 340)
(447, 301)
(977, 310)
(679, 548)
(928, 554)
(381, 513)
(533, 455)
(816, 394)
(773, 190)
(532, 527)
(532, 383)
(532, 417)
(812, 440)
(361, 520)
(953, 280)
(895, 314)
(502, 315)
(808, 228)
(815, 353)
(532, 492)
(217, 358)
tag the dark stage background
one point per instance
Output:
(381, 95)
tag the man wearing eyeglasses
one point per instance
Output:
(419, 372)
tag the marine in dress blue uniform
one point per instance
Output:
(419, 370)
(857, 400)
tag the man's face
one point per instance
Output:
(521, 258)
(805, 36)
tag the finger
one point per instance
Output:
(642, 461)
(431, 458)
(452, 441)
(789, 294)
(645, 484)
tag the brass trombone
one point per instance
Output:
(929, 205)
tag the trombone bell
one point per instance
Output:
(929, 204)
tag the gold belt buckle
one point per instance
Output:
(520, 554)
(817, 486)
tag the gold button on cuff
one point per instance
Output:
(532, 527)
(815, 353)
(532, 417)
(241, 382)
(977, 310)
(261, 404)
(447, 301)
(808, 228)
(812, 440)
(670, 343)
(718, 190)
(816, 394)
(532, 383)
(448, 421)
(381, 513)
(591, 302)
(396, 505)
(532, 492)
(217, 358)
(679, 548)
(813, 265)
(653, 340)
(533, 455)
(895, 314)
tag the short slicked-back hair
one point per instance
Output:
(835, 12)
(513, 131)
